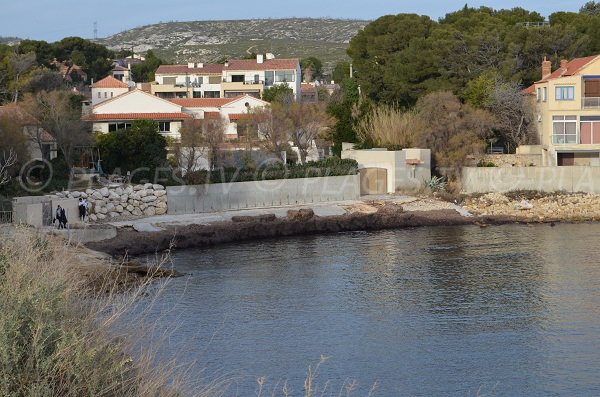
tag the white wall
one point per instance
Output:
(137, 102)
(106, 94)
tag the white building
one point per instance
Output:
(194, 80)
(107, 88)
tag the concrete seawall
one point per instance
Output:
(259, 194)
(547, 179)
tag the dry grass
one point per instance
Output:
(387, 126)
(57, 329)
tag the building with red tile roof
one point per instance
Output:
(567, 111)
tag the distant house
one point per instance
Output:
(231, 110)
(567, 104)
(120, 111)
(70, 72)
(42, 146)
(232, 79)
(308, 93)
(194, 80)
(107, 88)
(252, 76)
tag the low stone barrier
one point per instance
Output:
(131, 200)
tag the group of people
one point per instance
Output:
(61, 215)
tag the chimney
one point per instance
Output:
(200, 65)
(546, 68)
(270, 55)
(260, 58)
(191, 65)
(226, 64)
(563, 64)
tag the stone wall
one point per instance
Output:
(123, 201)
(510, 160)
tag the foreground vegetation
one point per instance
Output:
(57, 328)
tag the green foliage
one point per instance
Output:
(346, 107)
(484, 163)
(400, 58)
(333, 166)
(281, 93)
(341, 72)
(314, 64)
(140, 149)
(435, 184)
(590, 8)
(144, 72)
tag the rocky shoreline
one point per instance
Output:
(298, 222)
(537, 206)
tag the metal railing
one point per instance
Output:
(6, 217)
(590, 103)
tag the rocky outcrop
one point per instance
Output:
(123, 201)
(568, 207)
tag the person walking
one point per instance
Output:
(63, 218)
(57, 217)
(81, 206)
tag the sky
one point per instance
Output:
(52, 20)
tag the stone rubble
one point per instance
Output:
(557, 206)
(123, 201)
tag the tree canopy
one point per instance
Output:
(400, 58)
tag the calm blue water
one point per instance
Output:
(447, 311)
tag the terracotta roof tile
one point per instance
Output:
(109, 82)
(208, 68)
(268, 64)
(136, 116)
(212, 114)
(202, 102)
(529, 90)
(571, 68)
(239, 116)
(119, 68)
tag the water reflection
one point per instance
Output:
(506, 310)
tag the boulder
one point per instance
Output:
(124, 198)
(126, 213)
(150, 211)
(104, 210)
(138, 187)
(160, 193)
(158, 187)
(142, 193)
(76, 194)
(89, 191)
(137, 212)
(160, 204)
(101, 216)
(93, 217)
(148, 199)
(161, 211)
(149, 192)
(97, 195)
(119, 191)
(84, 195)
(148, 186)
(129, 208)
(114, 196)
(97, 209)
(128, 190)
(119, 208)
(113, 214)
(143, 206)
(110, 206)
(104, 192)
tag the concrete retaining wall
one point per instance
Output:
(257, 194)
(547, 179)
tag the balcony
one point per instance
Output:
(590, 103)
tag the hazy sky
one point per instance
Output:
(54, 19)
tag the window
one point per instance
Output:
(539, 94)
(237, 78)
(105, 94)
(269, 78)
(111, 94)
(99, 95)
(212, 94)
(564, 129)
(565, 93)
(284, 76)
(164, 126)
(545, 94)
(118, 126)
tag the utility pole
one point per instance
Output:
(95, 30)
